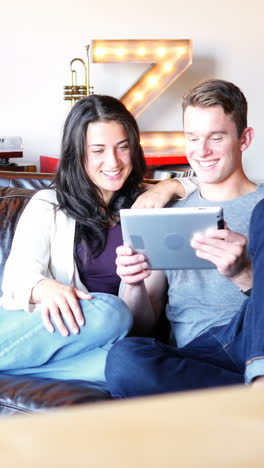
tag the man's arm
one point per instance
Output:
(161, 193)
(227, 250)
(143, 290)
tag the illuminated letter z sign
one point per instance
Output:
(168, 59)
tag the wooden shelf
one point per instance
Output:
(18, 167)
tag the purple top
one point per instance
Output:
(99, 274)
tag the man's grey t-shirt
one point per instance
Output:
(201, 299)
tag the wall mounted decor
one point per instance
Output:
(168, 59)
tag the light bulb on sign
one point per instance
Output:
(99, 52)
(167, 67)
(159, 142)
(161, 51)
(153, 81)
(138, 96)
(181, 50)
(142, 51)
(120, 52)
(180, 142)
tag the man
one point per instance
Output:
(216, 333)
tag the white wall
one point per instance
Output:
(39, 39)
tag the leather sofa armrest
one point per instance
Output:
(27, 180)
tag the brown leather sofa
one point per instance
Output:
(24, 394)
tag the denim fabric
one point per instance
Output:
(255, 356)
(26, 347)
(225, 355)
(142, 366)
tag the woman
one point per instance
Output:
(64, 247)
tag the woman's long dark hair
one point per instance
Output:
(77, 195)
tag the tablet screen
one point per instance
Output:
(164, 234)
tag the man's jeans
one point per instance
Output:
(26, 347)
(225, 355)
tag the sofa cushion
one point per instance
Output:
(25, 394)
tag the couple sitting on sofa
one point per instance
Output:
(73, 248)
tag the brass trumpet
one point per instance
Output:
(75, 91)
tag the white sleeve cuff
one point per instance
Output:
(254, 369)
(190, 184)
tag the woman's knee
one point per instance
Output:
(107, 310)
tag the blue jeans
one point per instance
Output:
(226, 355)
(26, 347)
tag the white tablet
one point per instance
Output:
(164, 234)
